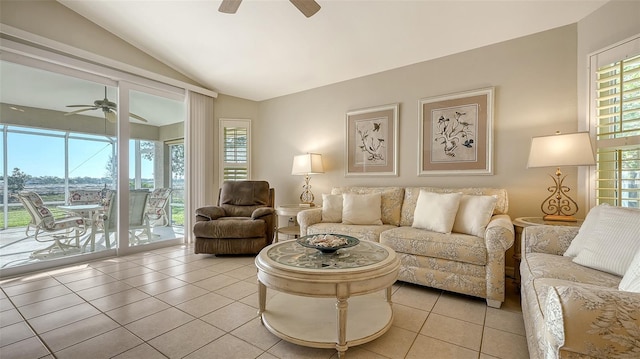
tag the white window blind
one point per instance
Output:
(617, 123)
(235, 151)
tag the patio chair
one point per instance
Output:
(107, 222)
(64, 232)
(84, 196)
(156, 206)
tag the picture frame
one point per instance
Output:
(456, 134)
(372, 141)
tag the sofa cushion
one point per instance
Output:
(391, 198)
(474, 213)
(613, 242)
(551, 266)
(436, 211)
(454, 246)
(361, 208)
(631, 280)
(332, 208)
(411, 197)
(361, 231)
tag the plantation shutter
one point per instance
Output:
(235, 149)
(617, 124)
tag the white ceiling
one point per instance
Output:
(269, 49)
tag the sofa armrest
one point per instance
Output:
(547, 239)
(499, 235)
(307, 218)
(591, 321)
(209, 213)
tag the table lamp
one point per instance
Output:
(572, 149)
(305, 165)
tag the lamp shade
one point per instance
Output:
(572, 149)
(307, 164)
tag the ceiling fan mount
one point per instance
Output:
(108, 108)
(306, 7)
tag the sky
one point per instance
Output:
(38, 155)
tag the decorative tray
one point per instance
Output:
(327, 243)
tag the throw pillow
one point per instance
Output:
(585, 231)
(614, 242)
(436, 211)
(332, 208)
(631, 280)
(361, 208)
(474, 213)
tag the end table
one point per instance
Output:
(519, 224)
(289, 210)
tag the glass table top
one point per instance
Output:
(293, 254)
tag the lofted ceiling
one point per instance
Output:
(269, 49)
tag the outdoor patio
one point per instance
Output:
(16, 247)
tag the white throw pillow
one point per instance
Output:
(631, 280)
(436, 211)
(361, 208)
(585, 232)
(614, 242)
(332, 208)
(474, 213)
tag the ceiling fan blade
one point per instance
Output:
(79, 105)
(80, 110)
(307, 7)
(229, 6)
(138, 117)
(110, 116)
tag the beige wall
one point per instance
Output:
(535, 94)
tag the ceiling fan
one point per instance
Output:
(307, 7)
(108, 108)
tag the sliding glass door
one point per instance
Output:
(73, 150)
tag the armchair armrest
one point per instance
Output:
(209, 213)
(262, 211)
(547, 239)
(591, 321)
(307, 218)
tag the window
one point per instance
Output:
(235, 151)
(616, 120)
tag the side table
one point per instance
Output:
(291, 211)
(519, 224)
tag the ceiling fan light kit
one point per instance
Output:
(306, 7)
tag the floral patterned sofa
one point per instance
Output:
(457, 262)
(572, 310)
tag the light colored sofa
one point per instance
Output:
(463, 263)
(573, 311)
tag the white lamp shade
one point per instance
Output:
(307, 164)
(572, 149)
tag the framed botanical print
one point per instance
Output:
(456, 134)
(372, 141)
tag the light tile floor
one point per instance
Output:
(170, 303)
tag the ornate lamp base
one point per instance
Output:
(559, 206)
(307, 197)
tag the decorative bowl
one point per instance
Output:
(327, 243)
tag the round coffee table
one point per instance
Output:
(327, 300)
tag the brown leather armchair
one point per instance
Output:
(243, 222)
